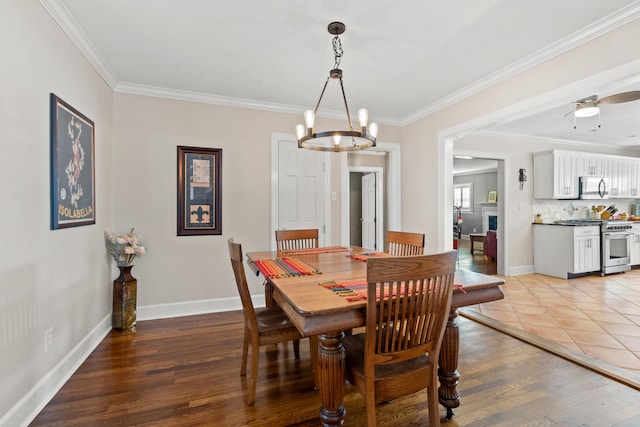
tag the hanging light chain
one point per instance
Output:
(337, 51)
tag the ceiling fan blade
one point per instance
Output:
(621, 97)
(592, 98)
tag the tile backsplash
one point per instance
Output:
(553, 210)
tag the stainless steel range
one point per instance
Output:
(615, 246)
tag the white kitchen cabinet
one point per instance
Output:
(555, 174)
(590, 165)
(632, 173)
(635, 244)
(563, 251)
(614, 173)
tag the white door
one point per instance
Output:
(300, 189)
(369, 211)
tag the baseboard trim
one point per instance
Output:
(520, 270)
(37, 398)
(190, 308)
(616, 373)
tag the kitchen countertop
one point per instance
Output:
(571, 224)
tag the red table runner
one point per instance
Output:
(313, 251)
(284, 267)
(367, 255)
(356, 289)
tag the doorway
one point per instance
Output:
(366, 207)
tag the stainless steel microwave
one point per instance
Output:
(593, 187)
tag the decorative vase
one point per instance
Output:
(124, 299)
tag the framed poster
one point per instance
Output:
(492, 197)
(73, 200)
(199, 191)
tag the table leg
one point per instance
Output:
(448, 375)
(331, 367)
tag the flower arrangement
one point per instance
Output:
(124, 247)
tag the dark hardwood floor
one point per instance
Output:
(186, 372)
(475, 261)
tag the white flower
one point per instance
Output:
(124, 247)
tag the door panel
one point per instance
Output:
(369, 211)
(300, 188)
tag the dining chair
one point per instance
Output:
(398, 354)
(401, 243)
(262, 327)
(296, 239)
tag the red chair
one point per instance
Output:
(491, 244)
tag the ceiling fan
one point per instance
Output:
(587, 107)
(590, 106)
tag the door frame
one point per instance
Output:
(379, 172)
(391, 191)
(326, 224)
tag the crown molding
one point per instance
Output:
(65, 21)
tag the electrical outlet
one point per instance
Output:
(48, 339)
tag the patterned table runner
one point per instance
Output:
(313, 251)
(367, 255)
(356, 289)
(284, 267)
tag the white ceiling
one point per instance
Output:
(402, 59)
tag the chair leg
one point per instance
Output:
(370, 401)
(296, 348)
(432, 404)
(253, 373)
(245, 349)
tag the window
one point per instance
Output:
(463, 196)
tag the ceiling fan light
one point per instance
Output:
(587, 111)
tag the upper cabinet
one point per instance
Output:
(556, 174)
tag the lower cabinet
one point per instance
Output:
(564, 250)
(635, 245)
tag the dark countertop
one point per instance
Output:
(570, 223)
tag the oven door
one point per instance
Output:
(616, 248)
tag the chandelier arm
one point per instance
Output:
(346, 107)
(322, 94)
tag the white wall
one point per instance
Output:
(48, 279)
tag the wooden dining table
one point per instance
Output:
(318, 311)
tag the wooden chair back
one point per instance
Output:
(400, 243)
(296, 239)
(235, 253)
(408, 303)
(410, 319)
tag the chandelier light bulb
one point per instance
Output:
(363, 117)
(300, 130)
(336, 140)
(373, 129)
(309, 118)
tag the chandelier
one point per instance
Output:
(337, 140)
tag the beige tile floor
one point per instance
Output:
(598, 316)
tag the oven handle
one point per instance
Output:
(609, 234)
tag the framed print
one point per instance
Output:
(492, 197)
(73, 200)
(199, 191)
